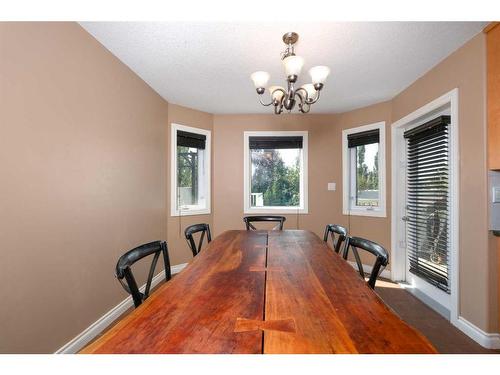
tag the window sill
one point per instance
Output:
(205, 211)
(276, 211)
(369, 213)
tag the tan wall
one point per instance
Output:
(178, 248)
(465, 69)
(325, 165)
(83, 166)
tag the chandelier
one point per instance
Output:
(306, 95)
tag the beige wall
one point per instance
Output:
(178, 248)
(83, 166)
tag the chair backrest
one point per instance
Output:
(251, 219)
(381, 254)
(192, 229)
(341, 236)
(124, 271)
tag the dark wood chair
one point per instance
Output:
(340, 231)
(197, 228)
(381, 255)
(124, 271)
(251, 219)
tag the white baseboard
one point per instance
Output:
(107, 319)
(486, 340)
(386, 274)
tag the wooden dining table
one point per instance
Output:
(264, 292)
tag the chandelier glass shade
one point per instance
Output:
(282, 98)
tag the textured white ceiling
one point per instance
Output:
(207, 66)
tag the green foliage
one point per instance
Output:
(280, 184)
(366, 180)
(187, 169)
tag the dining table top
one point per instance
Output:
(264, 292)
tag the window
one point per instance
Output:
(190, 183)
(364, 170)
(275, 170)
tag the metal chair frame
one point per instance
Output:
(381, 254)
(196, 228)
(332, 229)
(268, 218)
(125, 262)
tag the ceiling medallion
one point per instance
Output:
(306, 95)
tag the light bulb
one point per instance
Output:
(260, 79)
(319, 74)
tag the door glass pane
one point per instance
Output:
(367, 175)
(427, 202)
(275, 177)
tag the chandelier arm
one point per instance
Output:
(303, 110)
(307, 99)
(278, 107)
(315, 99)
(306, 95)
(276, 110)
(282, 90)
(302, 99)
(304, 106)
(273, 101)
(264, 104)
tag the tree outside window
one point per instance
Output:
(187, 175)
(367, 175)
(275, 177)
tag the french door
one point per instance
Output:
(427, 209)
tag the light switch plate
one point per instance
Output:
(332, 186)
(496, 194)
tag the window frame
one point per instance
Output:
(248, 209)
(349, 170)
(174, 211)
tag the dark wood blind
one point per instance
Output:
(428, 201)
(363, 138)
(275, 142)
(193, 140)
